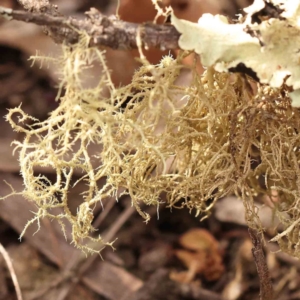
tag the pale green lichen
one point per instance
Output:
(187, 146)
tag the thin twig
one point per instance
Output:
(83, 265)
(11, 271)
(79, 264)
(108, 207)
(108, 236)
(103, 30)
(55, 242)
(266, 288)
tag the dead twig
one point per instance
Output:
(266, 288)
(108, 207)
(11, 271)
(83, 265)
(74, 272)
(103, 30)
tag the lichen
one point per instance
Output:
(267, 44)
(159, 141)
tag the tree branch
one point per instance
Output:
(103, 30)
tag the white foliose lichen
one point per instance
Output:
(267, 41)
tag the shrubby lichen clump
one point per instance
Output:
(193, 145)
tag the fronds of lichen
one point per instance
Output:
(191, 144)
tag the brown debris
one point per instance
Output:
(160, 287)
(206, 258)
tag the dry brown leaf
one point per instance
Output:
(206, 259)
(182, 277)
(195, 261)
(214, 267)
(198, 240)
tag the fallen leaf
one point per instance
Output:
(206, 258)
(192, 260)
(198, 240)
